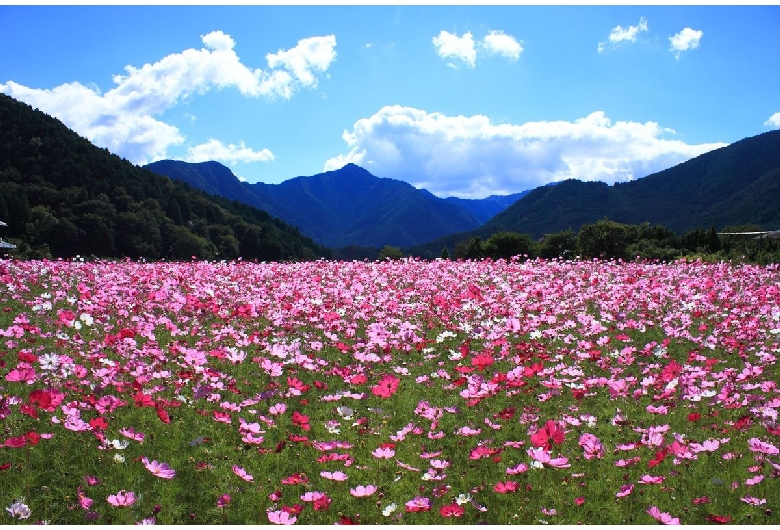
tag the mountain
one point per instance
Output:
(62, 196)
(487, 208)
(735, 185)
(340, 208)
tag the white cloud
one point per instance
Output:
(122, 119)
(464, 49)
(773, 121)
(620, 34)
(687, 39)
(215, 150)
(449, 45)
(502, 44)
(471, 157)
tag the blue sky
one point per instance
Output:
(460, 100)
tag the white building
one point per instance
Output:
(4, 245)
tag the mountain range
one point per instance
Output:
(736, 184)
(345, 207)
(63, 196)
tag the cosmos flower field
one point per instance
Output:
(396, 392)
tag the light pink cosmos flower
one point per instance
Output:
(121, 499)
(338, 476)
(753, 501)
(383, 452)
(281, 517)
(159, 469)
(418, 504)
(439, 464)
(277, 409)
(129, 432)
(519, 468)
(241, 473)
(363, 491)
(649, 479)
(662, 517)
(759, 446)
(543, 457)
(592, 446)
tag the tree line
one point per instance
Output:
(607, 239)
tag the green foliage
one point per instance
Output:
(507, 245)
(607, 239)
(62, 196)
(559, 245)
(390, 252)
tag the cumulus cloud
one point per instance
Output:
(215, 150)
(123, 118)
(449, 45)
(687, 39)
(464, 49)
(773, 121)
(500, 43)
(472, 157)
(620, 34)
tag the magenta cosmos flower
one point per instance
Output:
(386, 387)
(121, 499)
(551, 433)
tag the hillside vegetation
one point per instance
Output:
(61, 196)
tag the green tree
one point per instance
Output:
(507, 245)
(606, 239)
(389, 252)
(559, 245)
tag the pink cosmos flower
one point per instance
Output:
(625, 490)
(543, 457)
(159, 469)
(84, 501)
(592, 446)
(440, 464)
(418, 504)
(277, 409)
(223, 500)
(241, 473)
(21, 373)
(519, 468)
(649, 479)
(383, 452)
(363, 491)
(334, 475)
(754, 480)
(281, 517)
(759, 446)
(129, 432)
(121, 499)
(662, 517)
(506, 487)
(753, 501)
